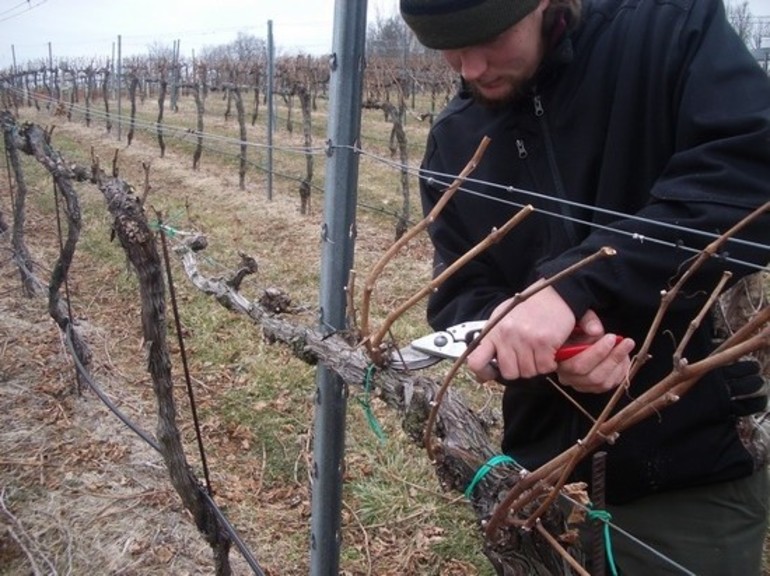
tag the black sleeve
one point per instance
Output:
(719, 172)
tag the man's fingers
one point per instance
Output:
(489, 372)
(592, 357)
(480, 359)
(590, 324)
(600, 368)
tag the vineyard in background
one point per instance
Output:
(196, 147)
(186, 155)
(228, 90)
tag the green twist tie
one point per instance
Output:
(605, 517)
(485, 469)
(170, 232)
(370, 417)
(167, 230)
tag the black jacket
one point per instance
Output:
(654, 113)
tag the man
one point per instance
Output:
(643, 125)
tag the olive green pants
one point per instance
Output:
(716, 530)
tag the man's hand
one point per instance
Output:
(523, 344)
(525, 341)
(602, 366)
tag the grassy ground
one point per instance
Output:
(83, 495)
(67, 458)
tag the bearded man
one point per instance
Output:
(643, 125)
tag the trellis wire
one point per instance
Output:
(180, 133)
(242, 547)
(434, 177)
(150, 441)
(437, 175)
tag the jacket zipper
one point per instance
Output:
(569, 225)
(521, 149)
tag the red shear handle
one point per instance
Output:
(567, 352)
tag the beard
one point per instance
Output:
(517, 92)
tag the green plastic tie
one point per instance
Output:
(605, 517)
(370, 417)
(167, 230)
(170, 232)
(485, 469)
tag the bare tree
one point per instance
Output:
(391, 37)
(160, 52)
(739, 16)
(760, 31)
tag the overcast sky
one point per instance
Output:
(90, 27)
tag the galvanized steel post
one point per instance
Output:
(338, 237)
(119, 84)
(270, 107)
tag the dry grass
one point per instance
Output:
(82, 494)
(79, 493)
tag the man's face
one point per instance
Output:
(497, 70)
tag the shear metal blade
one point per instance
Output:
(409, 358)
(450, 343)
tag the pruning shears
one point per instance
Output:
(452, 342)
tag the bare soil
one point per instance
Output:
(79, 492)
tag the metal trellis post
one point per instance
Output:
(119, 80)
(54, 78)
(338, 237)
(15, 82)
(112, 72)
(270, 107)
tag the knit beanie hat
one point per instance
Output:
(448, 24)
